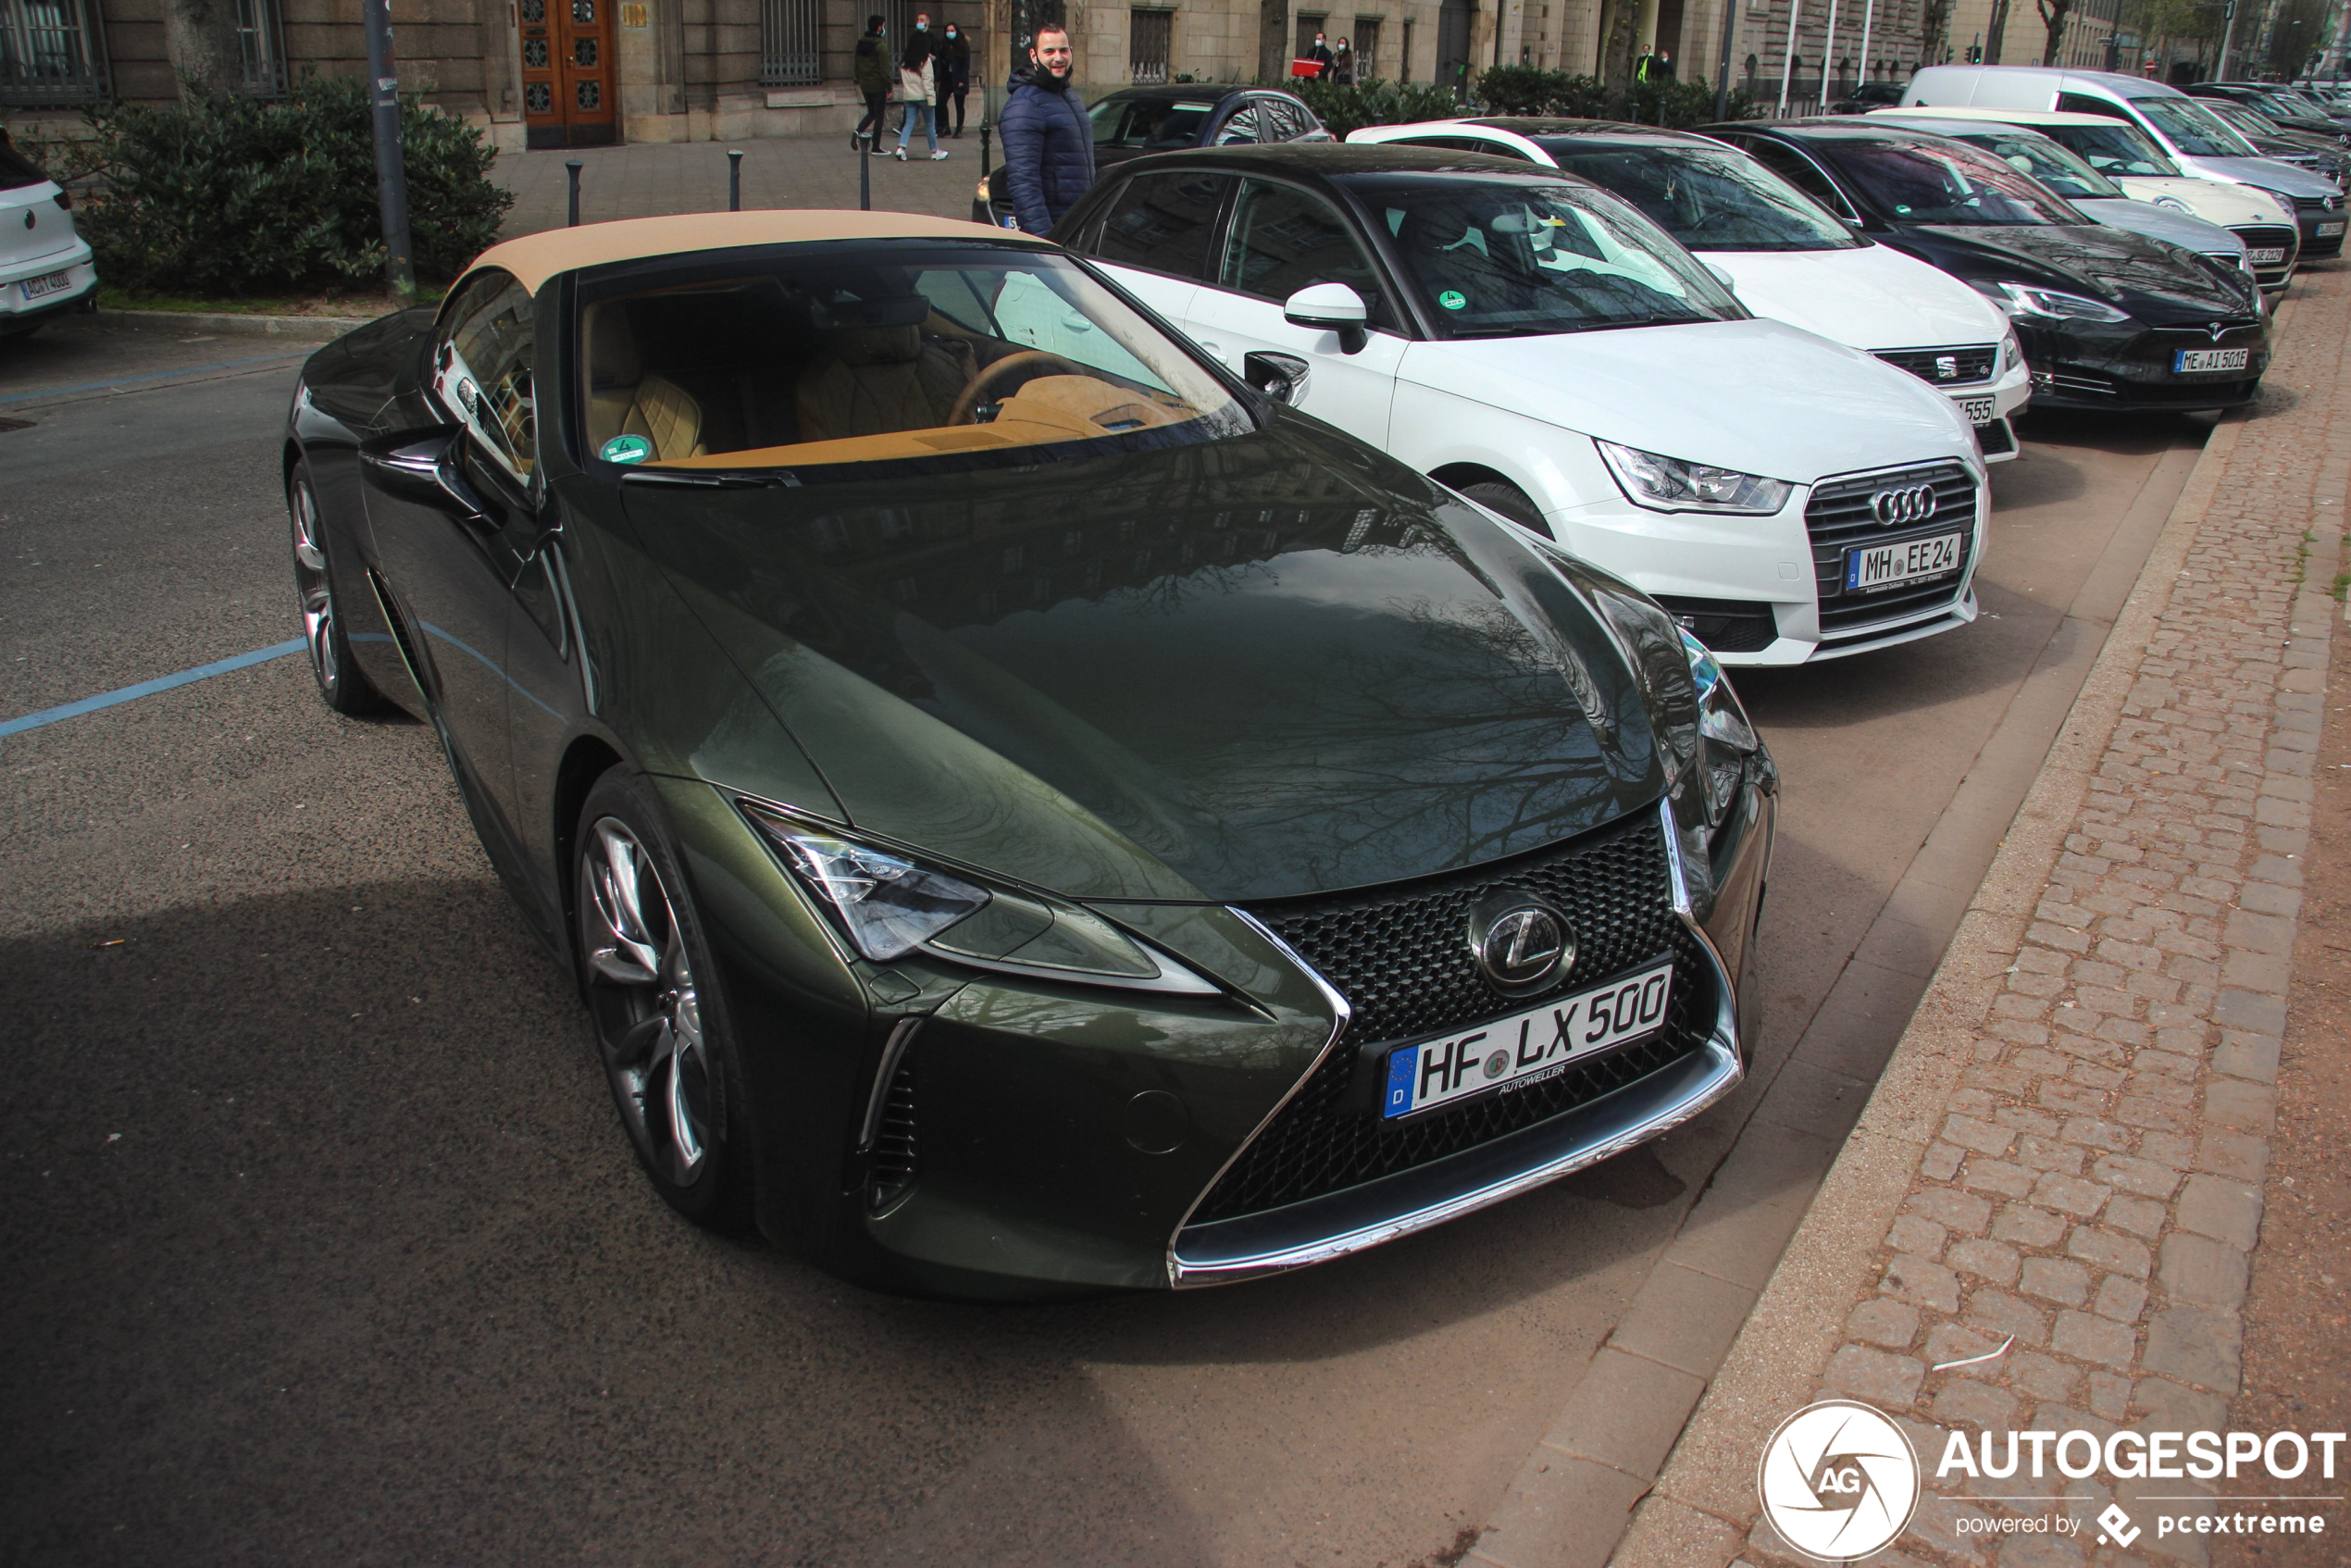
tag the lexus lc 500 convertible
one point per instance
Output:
(1025, 810)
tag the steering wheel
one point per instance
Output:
(1029, 359)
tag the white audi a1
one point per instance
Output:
(1539, 345)
(1786, 257)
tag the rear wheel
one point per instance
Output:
(1511, 502)
(662, 1025)
(340, 681)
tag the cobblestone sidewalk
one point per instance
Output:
(2065, 1155)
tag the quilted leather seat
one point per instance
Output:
(623, 400)
(875, 381)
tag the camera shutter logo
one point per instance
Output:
(1910, 503)
(1838, 1480)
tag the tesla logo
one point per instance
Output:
(1947, 366)
(1519, 945)
(2216, 329)
(1912, 504)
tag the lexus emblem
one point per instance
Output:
(1518, 944)
(1911, 503)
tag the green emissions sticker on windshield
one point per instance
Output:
(625, 449)
(1452, 299)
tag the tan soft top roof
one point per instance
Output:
(534, 258)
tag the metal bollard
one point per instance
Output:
(734, 181)
(865, 170)
(983, 152)
(573, 166)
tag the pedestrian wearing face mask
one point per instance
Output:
(952, 68)
(918, 88)
(1321, 55)
(873, 76)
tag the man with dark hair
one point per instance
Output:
(872, 73)
(1048, 143)
(953, 66)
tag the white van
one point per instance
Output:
(2190, 134)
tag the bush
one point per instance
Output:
(235, 196)
(1351, 107)
(1523, 90)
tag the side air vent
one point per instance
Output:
(894, 1164)
(398, 631)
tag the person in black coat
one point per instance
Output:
(1048, 141)
(874, 77)
(951, 69)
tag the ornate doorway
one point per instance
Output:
(568, 99)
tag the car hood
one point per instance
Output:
(1870, 297)
(2271, 175)
(2162, 223)
(1275, 665)
(2148, 278)
(1759, 396)
(2209, 199)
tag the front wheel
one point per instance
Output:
(662, 1026)
(345, 687)
(1511, 502)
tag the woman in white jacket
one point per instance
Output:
(919, 89)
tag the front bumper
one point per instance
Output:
(2127, 367)
(2322, 227)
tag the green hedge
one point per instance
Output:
(1342, 109)
(234, 196)
(1523, 90)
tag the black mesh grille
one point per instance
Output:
(2267, 237)
(2187, 394)
(1839, 517)
(894, 1164)
(1996, 438)
(1400, 957)
(1727, 626)
(1945, 367)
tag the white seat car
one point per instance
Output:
(2119, 150)
(1539, 345)
(44, 266)
(1785, 255)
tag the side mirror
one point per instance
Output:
(420, 466)
(1722, 277)
(1333, 307)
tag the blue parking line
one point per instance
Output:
(157, 376)
(148, 688)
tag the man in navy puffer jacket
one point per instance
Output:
(1048, 143)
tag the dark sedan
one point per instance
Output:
(2322, 155)
(2280, 106)
(2109, 319)
(1024, 812)
(1137, 120)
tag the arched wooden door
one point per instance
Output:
(567, 97)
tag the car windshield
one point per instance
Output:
(2193, 129)
(1150, 122)
(2114, 149)
(2248, 121)
(1916, 183)
(812, 356)
(17, 170)
(1708, 199)
(2291, 104)
(2050, 162)
(1501, 258)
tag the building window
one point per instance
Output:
(1367, 48)
(52, 51)
(261, 39)
(1151, 39)
(788, 42)
(1309, 24)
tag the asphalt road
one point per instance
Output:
(324, 1245)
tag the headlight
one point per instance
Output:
(2172, 201)
(2053, 305)
(1725, 738)
(888, 906)
(2284, 205)
(1703, 735)
(2011, 349)
(1670, 484)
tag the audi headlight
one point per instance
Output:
(2052, 305)
(890, 906)
(1673, 484)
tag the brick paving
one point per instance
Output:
(655, 179)
(2091, 1089)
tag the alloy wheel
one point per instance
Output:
(648, 1011)
(310, 581)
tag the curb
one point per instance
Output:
(319, 328)
(1687, 1520)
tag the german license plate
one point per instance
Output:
(1528, 1047)
(2329, 230)
(1890, 566)
(2265, 255)
(1977, 409)
(2188, 361)
(54, 282)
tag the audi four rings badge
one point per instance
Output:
(1911, 503)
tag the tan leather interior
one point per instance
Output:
(871, 381)
(623, 400)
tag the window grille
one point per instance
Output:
(788, 42)
(52, 51)
(1150, 37)
(1367, 48)
(261, 37)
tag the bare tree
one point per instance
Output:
(2053, 15)
(1994, 31)
(200, 37)
(1273, 42)
(1935, 22)
(1620, 32)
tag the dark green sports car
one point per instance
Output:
(1027, 813)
